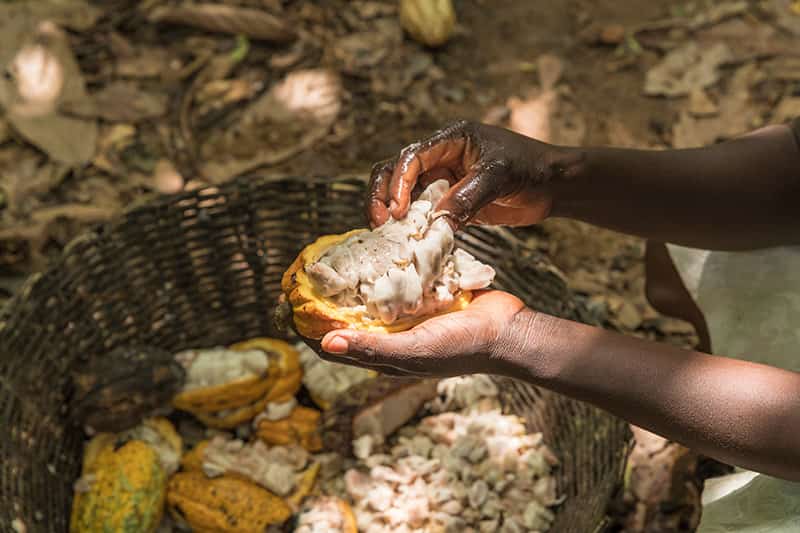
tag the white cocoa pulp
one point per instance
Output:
(403, 268)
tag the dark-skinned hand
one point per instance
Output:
(497, 176)
(464, 342)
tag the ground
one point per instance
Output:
(113, 102)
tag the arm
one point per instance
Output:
(740, 194)
(738, 412)
(741, 413)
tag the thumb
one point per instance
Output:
(375, 348)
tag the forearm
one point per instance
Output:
(737, 412)
(741, 194)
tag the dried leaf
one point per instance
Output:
(253, 23)
(784, 15)
(737, 114)
(362, 51)
(5, 130)
(76, 15)
(700, 105)
(787, 109)
(532, 117)
(748, 39)
(371, 10)
(686, 68)
(148, 62)
(30, 175)
(121, 101)
(718, 13)
(295, 114)
(112, 140)
(783, 69)
(496, 115)
(612, 34)
(550, 71)
(620, 136)
(47, 78)
(569, 125)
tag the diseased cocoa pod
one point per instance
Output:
(377, 407)
(224, 504)
(117, 391)
(430, 22)
(123, 488)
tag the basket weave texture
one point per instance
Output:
(203, 268)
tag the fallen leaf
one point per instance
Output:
(290, 57)
(77, 15)
(362, 51)
(737, 114)
(620, 136)
(783, 69)
(700, 105)
(747, 39)
(122, 101)
(603, 34)
(787, 109)
(253, 23)
(371, 10)
(112, 140)
(308, 94)
(496, 115)
(569, 125)
(623, 313)
(294, 115)
(30, 176)
(147, 62)
(550, 69)
(612, 34)
(717, 13)
(784, 15)
(586, 282)
(531, 117)
(5, 130)
(686, 68)
(46, 77)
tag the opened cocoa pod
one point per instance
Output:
(385, 280)
(226, 387)
(124, 478)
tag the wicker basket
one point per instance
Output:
(203, 268)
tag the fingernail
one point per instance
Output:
(337, 345)
(392, 206)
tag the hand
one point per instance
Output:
(497, 176)
(463, 342)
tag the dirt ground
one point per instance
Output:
(106, 104)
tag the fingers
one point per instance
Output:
(436, 174)
(378, 192)
(444, 149)
(475, 191)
